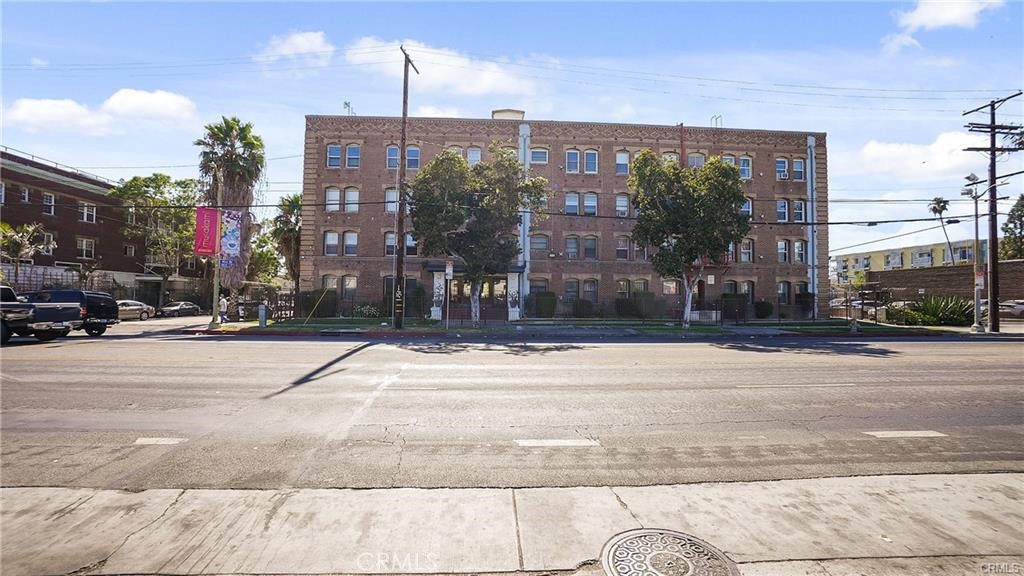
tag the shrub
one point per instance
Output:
(328, 307)
(626, 308)
(544, 304)
(946, 310)
(366, 311)
(734, 306)
(763, 308)
(583, 309)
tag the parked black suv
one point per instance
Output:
(100, 308)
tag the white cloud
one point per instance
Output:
(942, 159)
(437, 112)
(39, 62)
(304, 49)
(126, 108)
(933, 14)
(441, 70)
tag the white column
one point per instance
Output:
(514, 297)
(438, 303)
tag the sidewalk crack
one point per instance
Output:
(625, 507)
(519, 537)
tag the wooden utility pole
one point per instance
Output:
(398, 289)
(992, 128)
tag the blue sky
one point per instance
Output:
(123, 89)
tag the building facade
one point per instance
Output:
(582, 249)
(843, 266)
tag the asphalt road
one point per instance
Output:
(140, 408)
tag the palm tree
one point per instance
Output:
(232, 160)
(286, 231)
(938, 206)
(23, 243)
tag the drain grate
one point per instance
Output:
(654, 552)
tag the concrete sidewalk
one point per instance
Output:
(928, 524)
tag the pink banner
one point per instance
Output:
(207, 231)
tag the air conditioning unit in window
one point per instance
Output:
(783, 175)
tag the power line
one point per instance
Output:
(194, 165)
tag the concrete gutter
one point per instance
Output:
(926, 524)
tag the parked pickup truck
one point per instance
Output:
(44, 320)
(99, 309)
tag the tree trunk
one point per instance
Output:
(474, 302)
(17, 271)
(952, 258)
(687, 302)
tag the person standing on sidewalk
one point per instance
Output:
(223, 310)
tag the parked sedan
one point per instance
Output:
(1011, 308)
(134, 310)
(179, 309)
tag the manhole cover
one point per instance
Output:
(652, 552)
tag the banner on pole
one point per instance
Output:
(207, 231)
(231, 234)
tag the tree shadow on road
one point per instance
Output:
(514, 349)
(321, 371)
(810, 347)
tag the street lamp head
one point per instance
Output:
(972, 177)
(965, 192)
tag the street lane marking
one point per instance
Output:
(414, 388)
(555, 442)
(793, 385)
(160, 441)
(905, 434)
(751, 437)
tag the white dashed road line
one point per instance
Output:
(905, 434)
(555, 442)
(160, 441)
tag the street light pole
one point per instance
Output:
(977, 327)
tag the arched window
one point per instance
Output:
(349, 286)
(729, 287)
(572, 247)
(473, 155)
(351, 200)
(538, 155)
(640, 286)
(329, 282)
(622, 288)
(695, 160)
(538, 285)
(728, 159)
(456, 149)
(670, 157)
(590, 162)
(352, 152)
(622, 248)
(539, 243)
(572, 203)
(590, 248)
(351, 240)
(590, 204)
(390, 241)
(747, 208)
(332, 199)
(393, 153)
(748, 288)
(590, 290)
(622, 205)
(412, 157)
(571, 291)
(334, 156)
(783, 249)
(330, 243)
(783, 289)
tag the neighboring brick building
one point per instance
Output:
(582, 250)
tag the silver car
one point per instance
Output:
(134, 310)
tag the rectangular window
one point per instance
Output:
(572, 203)
(351, 200)
(800, 251)
(670, 157)
(798, 210)
(538, 285)
(352, 156)
(349, 285)
(334, 156)
(747, 208)
(782, 210)
(351, 244)
(412, 158)
(3, 193)
(622, 288)
(538, 156)
(781, 169)
(746, 168)
(622, 248)
(572, 248)
(747, 251)
(190, 263)
(86, 212)
(539, 243)
(410, 245)
(622, 206)
(590, 248)
(590, 290)
(590, 204)
(332, 198)
(86, 248)
(390, 242)
(783, 251)
(669, 287)
(590, 162)
(639, 252)
(572, 291)
(48, 203)
(473, 156)
(26, 195)
(640, 285)
(391, 200)
(695, 160)
(622, 163)
(129, 250)
(729, 160)
(572, 162)
(798, 169)
(330, 243)
(47, 249)
(392, 157)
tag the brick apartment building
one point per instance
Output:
(85, 223)
(582, 250)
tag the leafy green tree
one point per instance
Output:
(691, 215)
(1011, 247)
(161, 212)
(472, 213)
(938, 206)
(23, 243)
(264, 262)
(286, 231)
(232, 161)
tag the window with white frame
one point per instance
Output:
(622, 288)
(622, 248)
(351, 200)
(695, 160)
(800, 251)
(391, 200)
(352, 152)
(782, 210)
(783, 289)
(572, 161)
(539, 243)
(746, 168)
(456, 149)
(732, 252)
(48, 244)
(799, 210)
(729, 159)
(640, 252)
(3, 192)
(640, 285)
(333, 156)
(473, 155)
(670, 157)
(86, 248)
(329, 282)
(349, 286)
(129, 250)
(330, 243)
(393, 153)
(332, 199)
(798, 169)
(783, 251)
(410, 245)
(590, 204)
(190, 263)
(49, 202)
(86, 212)
(747, 250)
(622, 205)
(390, 243)
(572, 203)
(572, 247)
(781, 169)
(622, 163)
(590, 162)
(26, 194)
(412, 157)
(670, 287)
(590, 290)
(130, 215)
(351, 243)
(747, 287)
(747, 208)
(538, 156)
